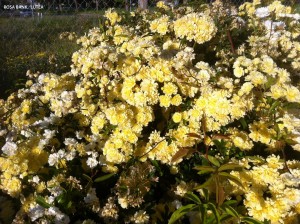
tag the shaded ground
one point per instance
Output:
(33, 43)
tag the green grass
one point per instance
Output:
(297, 8)
(34, 44)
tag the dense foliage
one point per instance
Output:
(174, 115)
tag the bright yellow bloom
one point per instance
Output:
(177, 117)
(98, 123)
(198, 27)
(112, 16)
(160, 25)
(176, 100)
(165, 100)
(169, 88)
(11, 186)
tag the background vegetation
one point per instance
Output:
(31, 43)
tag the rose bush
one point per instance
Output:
(169, 115)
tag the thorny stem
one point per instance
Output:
(152, 148)
(285, 163)
(269, 37)
(204, 129)
(194, 45)
(105, 95)
(282, 150)
(191, 75)
(94, 173)
(206, 152)
(231, 42)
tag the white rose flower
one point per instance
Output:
(262, 12)
(9, 148)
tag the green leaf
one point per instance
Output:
(213, 160)
(294, 105)
(206, 183)
(290, 141)
(255, 159)
(204, 193)
(230, 202)
(232, 178)
(103, 178)
(251, 220)
(90, 181)
(155, 163)
(226, 217)
(69, 205)
(274, 105)
(87, 177)
(205, 168)
(181, 212)
(89, 185)
(211, 219)
(121, 35)
(42, 202)
(203, 211)
(243, 123)
(203, 172)
(230, 166)
(231, 211)
(214, 211)
(191, 196)
(61, 199)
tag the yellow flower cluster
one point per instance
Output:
(272, 21)
(198, 27)
(160, 25)
(112, 16)
(264, 72)
(28, 159)
(270, 193)
(162, 5)
(240, 139)
(153, 94)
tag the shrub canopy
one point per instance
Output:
(173, 114)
